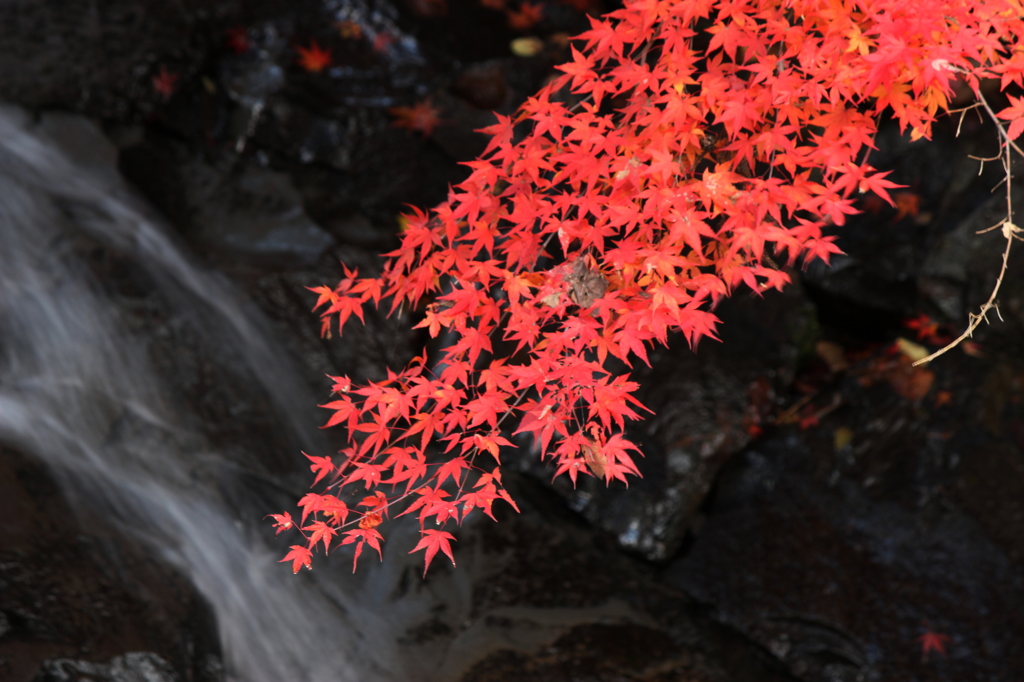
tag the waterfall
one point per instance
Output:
(80, 390)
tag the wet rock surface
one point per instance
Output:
(840, 581)
(71, 588)
(705, 406)
(132, 667)
(807, 511)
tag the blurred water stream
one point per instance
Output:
(79, 390)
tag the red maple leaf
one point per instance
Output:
(526, 17)
(165, 83)
(926, 328)
(932, 641)
(360, 537)
(432, 541)
(422, 117)
(320, 532)
(313, 59)
(1015, 114)
(321, 466)
(382, 42)
(299, 556)
(282, 522)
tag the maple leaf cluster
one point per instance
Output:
(688, 146)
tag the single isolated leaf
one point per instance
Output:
(526, 17)
(349, 29)
(432, 541)
(313, 59)
(165, 83)
(382, 42)
(423, 117)
(933, 641)
(299, 556)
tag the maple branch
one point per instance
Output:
(661, 197)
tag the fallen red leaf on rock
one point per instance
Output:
(349, 29)
(422, 117)
(313, 59)
(526, 17)
(383, 41)
(932, 641)
(165, 83)
(908, 204)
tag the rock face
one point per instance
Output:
(68, 594)
(840, 586)
(132, 667)
(237, 212)
(704, 407)
(98, 57)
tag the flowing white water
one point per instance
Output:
(80, 390)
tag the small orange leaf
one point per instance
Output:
(349, 29)
(912, 383)
(313, 59)
(422, 117)
(526, 17)
(371, 520)
(908, 204)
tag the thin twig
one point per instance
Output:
(1009, 232)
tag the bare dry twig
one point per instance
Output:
(1010, 232)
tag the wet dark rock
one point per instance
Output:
(363, 351)
(483, 85)
(590, 613)
(140, 666)
(839, 581)
(65, 594)
(229, 207)
(961, 271)
(457, 135)
(702, 406)
(98, 58)
(591, 653)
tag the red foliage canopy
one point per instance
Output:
(685, 142)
